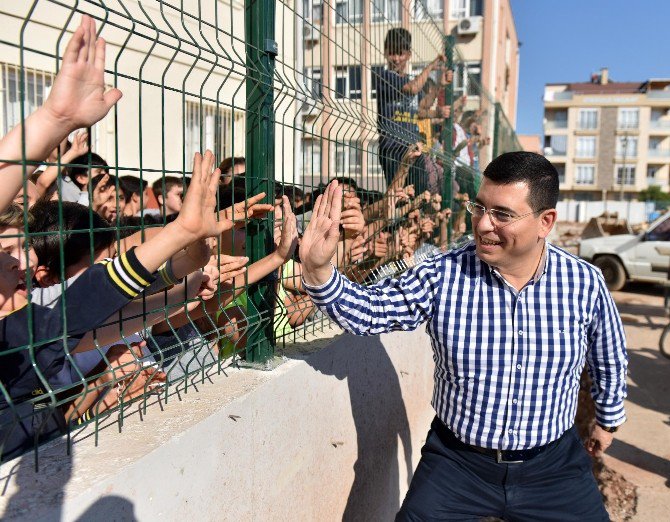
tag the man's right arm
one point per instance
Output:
(392, 304)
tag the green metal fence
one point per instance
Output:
(290, 91)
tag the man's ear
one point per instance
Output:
(44, 277)
(547, 221)
(159, 198)
(135, 198)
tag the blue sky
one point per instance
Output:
(567, 40)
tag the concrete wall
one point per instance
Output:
(330, 435)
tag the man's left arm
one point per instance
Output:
(607, 364)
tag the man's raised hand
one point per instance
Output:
(320, 239)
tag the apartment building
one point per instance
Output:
(608, 139)
(340, 47)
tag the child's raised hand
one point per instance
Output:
(248, 209)
(198, 217)
(78, 98)
(289, 232)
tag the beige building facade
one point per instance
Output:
(609, 140)
(181, 69)
(340, 47)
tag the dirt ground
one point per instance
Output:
(641, 448)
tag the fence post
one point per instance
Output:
(496, 131)
(261, 50)
(447, 137)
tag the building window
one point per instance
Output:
(207, 127)
(561, 173)
(464, 8)
(426, 9)
(585, 174)
(312, 82)
(385, 10)
(627, 173)
(36, 88)
(349, 11)
(467, 78)
(348, 159)
(312, 11)
(311, 159)
(628, 118)
(556, 145)
(375, 73)
(626, 146)
(652, 175)
(586, 147)
(588, 119)
(348, 82)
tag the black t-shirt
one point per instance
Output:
(397, 112)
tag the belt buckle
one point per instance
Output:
(500, 460)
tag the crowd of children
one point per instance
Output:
(111, 288)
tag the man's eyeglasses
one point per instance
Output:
(498, 217)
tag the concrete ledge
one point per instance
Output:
(332, 434)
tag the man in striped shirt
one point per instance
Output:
(512, 321)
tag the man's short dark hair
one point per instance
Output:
(75, 245)
(532, 169)
(398, 40)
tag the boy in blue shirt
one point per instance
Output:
(400, 103)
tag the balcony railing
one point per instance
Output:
(658, 153)
(659, 95)
(659, 124)
(555, 124)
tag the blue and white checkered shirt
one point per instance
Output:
(507, 363)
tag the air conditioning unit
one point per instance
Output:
(470, 25)
(310, 34)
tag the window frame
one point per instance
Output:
(582, 178)
(622, 121)
(630, 170)
(583, 152)
(588, 111)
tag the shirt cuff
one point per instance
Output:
(610, 415)
(327, 292)
(128, 274)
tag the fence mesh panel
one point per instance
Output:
(289, 96)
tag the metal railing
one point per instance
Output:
(291, 88)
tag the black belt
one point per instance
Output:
(449, 439)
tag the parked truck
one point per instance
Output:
(630, 257)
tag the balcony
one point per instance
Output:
(555, 124)
(659, 125)
(549, 151)
(658, 153)
(659, 95)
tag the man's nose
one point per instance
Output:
(483, 224)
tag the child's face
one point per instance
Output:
(14, 268)
(398, 62)
(173, 199)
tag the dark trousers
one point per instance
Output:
(453, 482)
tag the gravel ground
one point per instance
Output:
(641, 449)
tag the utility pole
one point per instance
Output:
(624, 141)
